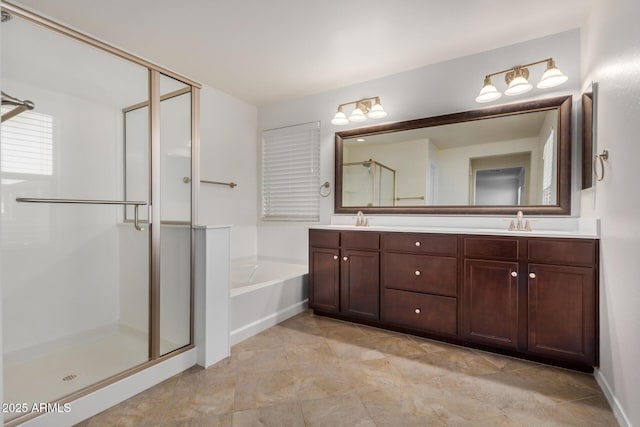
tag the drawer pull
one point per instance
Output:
(532, 275)
(417, 311)
(514, 274)
(418, 243)
(335, 257)
(418, 272)
(345, 258)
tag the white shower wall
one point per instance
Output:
(47, 248)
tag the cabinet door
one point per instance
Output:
(360, 290)
(324, 274)
(491, 302)
(562, 312)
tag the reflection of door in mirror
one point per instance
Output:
(502, 180)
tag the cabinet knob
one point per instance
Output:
(417, 311)
(532, 275)
(335, 257)
(418, 272)
(514, 274)
(345, 258)
(418, 243)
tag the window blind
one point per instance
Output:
(291, 173)
(27, 144)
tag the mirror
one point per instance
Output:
(492, 161)
(588, 133)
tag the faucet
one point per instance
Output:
(521, 224)
(361, 220)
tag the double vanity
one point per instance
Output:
(525, 296)
(498, 287)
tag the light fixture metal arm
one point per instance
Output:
(519, 66)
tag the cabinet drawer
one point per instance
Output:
(571, 252)
(420, 273)
(324, 239)
(487, 247)
(420, 243)
(360, 239)
(419, 311)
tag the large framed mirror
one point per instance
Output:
(498, 160)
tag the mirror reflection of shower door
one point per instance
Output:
(75, 275)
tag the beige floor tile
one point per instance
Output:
(314, 371)
(287, 415)
(259, 389)
(340, 411)
(398, 406)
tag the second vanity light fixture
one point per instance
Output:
(366, 107)
(518, 83)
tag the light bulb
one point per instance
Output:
(552, 76)
(340, 118)
(518, 83)
(377, 112)
(488, 92)
(357, 116)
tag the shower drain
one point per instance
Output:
(70, 377)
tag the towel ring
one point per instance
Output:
(602, 157)
(326, 193)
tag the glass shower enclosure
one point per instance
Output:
(368, 183)
(96, 212)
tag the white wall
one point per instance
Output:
(611, 52)
(228, 153)
(441, 88)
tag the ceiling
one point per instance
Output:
(267, 51)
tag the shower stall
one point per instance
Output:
(97, 165)
(368, 183)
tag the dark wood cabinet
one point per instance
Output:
(562, 312)
(324, 273)
(532, 297)
(360, 283)
(491, 302)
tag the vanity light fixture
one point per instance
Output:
(517, 79)
(366, 107)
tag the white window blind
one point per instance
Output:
(291, 173)
(27, 144)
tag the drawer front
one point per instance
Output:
(324, 239)
(419, 311)
(420, 273)
(487, 247)
(420, 243)
(571, 252)
(360, 239)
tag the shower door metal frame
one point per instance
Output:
(155, 72)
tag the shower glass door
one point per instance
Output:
(75, 262)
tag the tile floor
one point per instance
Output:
(314, 371)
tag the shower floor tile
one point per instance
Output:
(65, 371)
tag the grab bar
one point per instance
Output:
(230, 184)
(135, 204)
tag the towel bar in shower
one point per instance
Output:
(135, 204)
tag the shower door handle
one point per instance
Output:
(135, 204)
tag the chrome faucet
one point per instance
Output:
(361, 220)
(521, 224)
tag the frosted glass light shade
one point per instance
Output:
(339, 119)
(377, 112)
(488, 92)
(518, 86)
(552, 77)
(357, 116)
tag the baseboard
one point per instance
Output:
(253, 328)
(618, 412)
